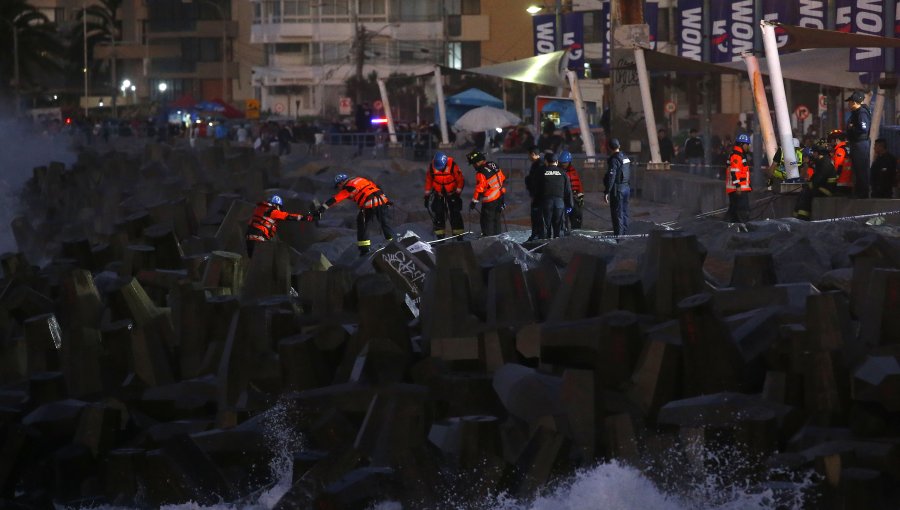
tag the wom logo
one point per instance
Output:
(692, 33)
(867, 17)
(812, 14)
(741, 28)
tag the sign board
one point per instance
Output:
(279, 107)
(378, 105)
(802, 112)
(671, 107)
(251, 108)
(346, 106)
(823, 103)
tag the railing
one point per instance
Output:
(375, 145)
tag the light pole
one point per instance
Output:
(15, 35)
(224, 44)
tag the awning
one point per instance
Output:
(658, 61)
(827, 66)
(542, 70)
(801, 38)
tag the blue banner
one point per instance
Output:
(784, 12)
(867, 17)
(544, 34)
(573, 40)
(720, 42)
(607, 33)
(811, 13)
(651, 16)
(741, 28)
(842, 15)
(690, 29)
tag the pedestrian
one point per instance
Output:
(489, 191)
(264, 222)
(531, 184)
(285, 139)
(577, 214)
(555, 196)
(737, 181)
(616, 187)
(372, 203)
(858, 138)
(666, 148)
(843, 165)
(883, 171)
(444, 183)
(693, 153)
(822, 183)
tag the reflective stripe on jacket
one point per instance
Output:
(446, 181)
(738, 175)
(364, 192)
(264, 221)
(489, 181)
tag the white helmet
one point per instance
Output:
(796, 143)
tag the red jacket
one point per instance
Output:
(364, 192)
(489, 181)
(264, 222)
(446, 181)
(738, 178)
(574, 179)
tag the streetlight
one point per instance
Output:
(15, 34)
(557, 10)
(126, 84)
(224, 43)
(534, 9)
(162, 87)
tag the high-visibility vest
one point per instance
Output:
(843, 165)
(364, 192)
(446, 181)
(738, 175)
(489, 181)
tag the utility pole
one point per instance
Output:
(84, 34)
(360, 43)
(15, 35)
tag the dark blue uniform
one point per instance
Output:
(531, 184)
(554, 194)
(616, 183)
(858, 138)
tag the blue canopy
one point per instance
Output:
(458, 104)
(566, 109)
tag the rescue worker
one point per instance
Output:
(444, 183)
(264, 222)
(883, 171)
(737, 181)
(489, 191)
(858, 138)
(531, 184)
(616, 186)
(843, 166)
(372, 203)
(576, 216)
(779, 174)
(822, 183)
(555, 196)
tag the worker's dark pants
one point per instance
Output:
(490, 218)
(537, 220)
(250, 246)
(576, 216)
(552, 210)
(618, 209)
(364, 219)
(738, 207)
(441, 205)
(859, 156)
(803, 207)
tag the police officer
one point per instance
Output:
(489, 191)
(617, 190)
(444, 183)
(372, 203)
(554, 194)
(531, 184)
(822, 183)
(884, 171)
(264, 222)
(737, 181)
(858, 137)
(576, 215)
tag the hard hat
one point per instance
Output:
(821, 146)
(565, 157)
(836, 134)
(614, 143)
(439, 161)
(796, 143)
(475, 157)
(340, 179)
(275, 200)
(742, 138)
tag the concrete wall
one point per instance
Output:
(694, 194)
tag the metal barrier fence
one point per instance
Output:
(414, 146)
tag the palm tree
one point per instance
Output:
(102, 28)
(37, 44)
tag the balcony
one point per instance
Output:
(136, 51)
(196, 28)
(306, 31)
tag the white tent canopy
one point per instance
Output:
(543, 69)
(821, 65)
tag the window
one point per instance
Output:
(471, 54)
(257, 13)
(415, 10)
(335, 10)
(295, 9)
(335, 53)
(454, 55)
(463, 7)
(372, 8)
(592, 27)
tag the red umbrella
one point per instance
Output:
(229, 112)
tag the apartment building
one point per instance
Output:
(309, 45)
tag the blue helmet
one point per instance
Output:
(565, 157)
(340, 179)
(742, 138)
(275, 200)
(440, 161)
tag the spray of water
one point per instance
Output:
(22, 148)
